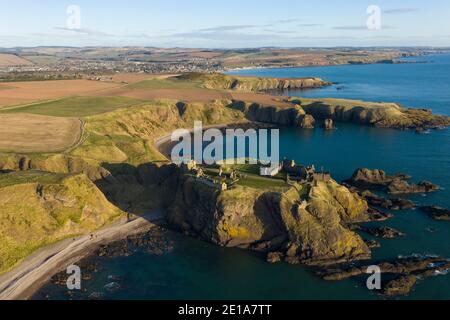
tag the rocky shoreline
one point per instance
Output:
(153, 241)
(28, 277)
(399, 276)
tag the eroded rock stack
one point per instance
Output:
(328, 124)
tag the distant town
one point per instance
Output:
(44, 63)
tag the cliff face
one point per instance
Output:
(303, 112)
(307, 225)
(316, 228)
(265, 84)
(236, 218)
(290, 116)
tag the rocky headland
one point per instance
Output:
(251, 84)
(306, 224)
(304, 113)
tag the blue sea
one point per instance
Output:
(198, 270)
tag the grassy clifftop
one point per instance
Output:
(41, 208)
(249, 84)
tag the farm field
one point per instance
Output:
(28, 133)
(7, 60)
(49, 119)
(27, 92)
(76, 106)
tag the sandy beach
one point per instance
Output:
(29, 276)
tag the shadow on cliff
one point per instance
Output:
(145, 190)
(267, 211)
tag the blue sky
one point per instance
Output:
(225, 24)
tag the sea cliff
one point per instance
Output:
(306, 224)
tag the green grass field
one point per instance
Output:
(258, 182)
(76, 106)
(253, 179)
(31, 176)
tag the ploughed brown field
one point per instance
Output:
(13, 93)
(35, 133)
(7, 60)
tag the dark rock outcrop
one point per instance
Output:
(382, 232)
(401, 286)
(377, 215)
(274, 257)
(403, 187)
(373, 244)
(402, 274)
(391, 204)
(396, 184)
(373, 179)
(437, 213)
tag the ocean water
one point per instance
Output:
(198, 270)
(424, 84)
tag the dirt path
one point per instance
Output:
(24, 280)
